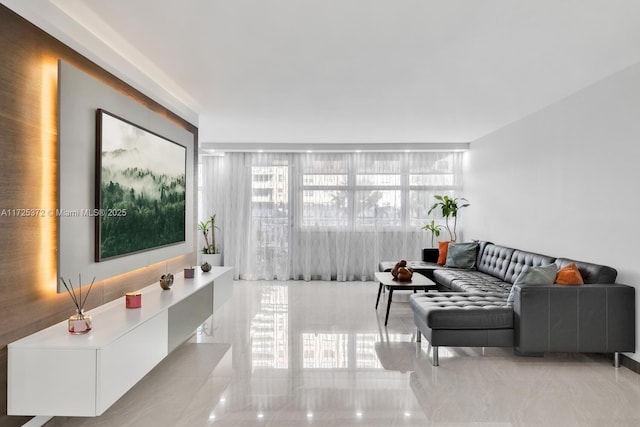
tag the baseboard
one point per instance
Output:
(630, 363)
(518, 353)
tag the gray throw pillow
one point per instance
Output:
(462, 255)
(542, 275)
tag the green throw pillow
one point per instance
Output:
(462, 255)
(543, 275)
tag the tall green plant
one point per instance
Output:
(449, 208)
(205, 227)
(434, 229)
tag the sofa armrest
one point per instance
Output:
(592, 318)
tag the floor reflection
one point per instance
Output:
(269, 330)
(398, 355)
(313, 358)
(332, 363)
(325, 350)
(316, 353)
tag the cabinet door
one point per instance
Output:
(45, 381)
(222, 288)
(188, 314)
(124, 362)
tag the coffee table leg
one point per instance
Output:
(379, 290)
(389, 298)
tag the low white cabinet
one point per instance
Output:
(54, 373)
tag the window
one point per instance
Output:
(375, 189)
(270, 209)
(326, 215)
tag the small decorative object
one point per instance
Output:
(79, 323)
(166, 281)
(401, 263)
(133, 299)
(405, 274)
(401, 272)
(206, 267)
(189, 273)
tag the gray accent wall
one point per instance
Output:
(79, 96)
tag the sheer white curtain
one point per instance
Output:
(331, 216)
(249, 194)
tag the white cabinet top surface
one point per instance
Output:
(112, 320)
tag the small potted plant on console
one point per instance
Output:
(210, 252)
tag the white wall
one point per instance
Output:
(564, 181)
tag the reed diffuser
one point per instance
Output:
(79, 323)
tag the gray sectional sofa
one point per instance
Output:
(480, 307)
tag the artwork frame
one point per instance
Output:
(140, 189)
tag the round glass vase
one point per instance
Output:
(79, 323)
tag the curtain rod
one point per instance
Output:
(211, 147)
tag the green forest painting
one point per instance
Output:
(142, 188)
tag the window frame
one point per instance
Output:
(353, 189)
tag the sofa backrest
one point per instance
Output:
(521, 259)
(481, 245)
(494, 260)
(591, 273)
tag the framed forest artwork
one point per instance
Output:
(140, 189)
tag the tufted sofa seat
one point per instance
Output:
(473, 312)
(474, 282)
(463, 311)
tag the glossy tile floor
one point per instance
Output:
(317, 354)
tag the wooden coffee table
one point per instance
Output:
(418, 282)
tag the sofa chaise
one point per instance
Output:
(481, 307)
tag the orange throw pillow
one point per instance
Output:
(569, 275)
(443, 248)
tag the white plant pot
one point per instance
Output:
(215, 260)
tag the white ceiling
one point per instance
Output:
(350, 71)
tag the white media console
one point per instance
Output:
(55, 373)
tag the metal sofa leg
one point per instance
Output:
(616, 359)
(418, 335)
(434, 359)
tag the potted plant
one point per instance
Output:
(434, 229)
(449, 207)
(210, 252)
